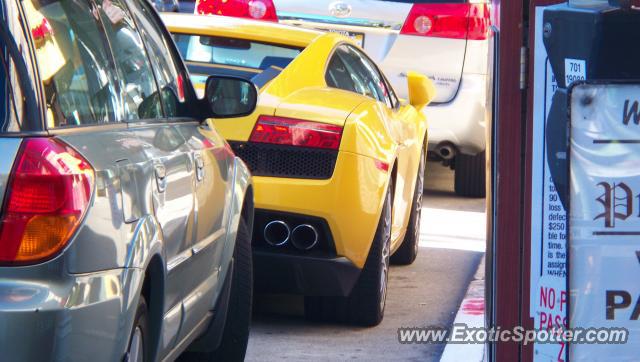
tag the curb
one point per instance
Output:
(471, 313)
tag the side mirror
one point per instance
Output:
(230, 97)
(421, 90)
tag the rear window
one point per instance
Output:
(234, 52)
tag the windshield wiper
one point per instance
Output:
(31, 111)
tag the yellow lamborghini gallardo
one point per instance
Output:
(338, 160)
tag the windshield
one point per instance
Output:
(234, 52)
(18, 108)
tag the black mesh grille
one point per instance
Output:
(286, 161)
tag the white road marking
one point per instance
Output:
(453, 229)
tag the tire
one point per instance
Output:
(138, 350)
(408, 251)
(365, 305)
(470, 173)
(235, 337)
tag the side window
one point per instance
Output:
(75, 65)
(137, 82)
(392, 99)
(15, 73)
(364, 76)
(339, 76)
(395, 102)
(11, 93)
(171, 80)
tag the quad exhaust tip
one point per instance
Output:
(277, 233)
(304, 237)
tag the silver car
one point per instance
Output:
(126, 219)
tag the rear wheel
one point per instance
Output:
(235, 336)
(137, 351)
(236, 330)
(470, 173)
(365, 305)
(408, 251)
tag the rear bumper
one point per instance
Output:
(462, 121)
(350, 202)
(80, 318)
(296, 274)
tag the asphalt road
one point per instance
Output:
(427, 293)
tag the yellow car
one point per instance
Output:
(338, 160)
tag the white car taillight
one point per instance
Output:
(249, 9)
(457, 21)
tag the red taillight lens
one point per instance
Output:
(293, 132)
(456, 21)
(180, 84)
(251, 9)
(47, 195)
(479, 22)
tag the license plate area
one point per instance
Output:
(358, 38)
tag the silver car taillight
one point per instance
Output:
(48, 194)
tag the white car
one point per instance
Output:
(448, 40)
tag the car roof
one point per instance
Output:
(262, 31)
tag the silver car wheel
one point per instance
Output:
(136, 349)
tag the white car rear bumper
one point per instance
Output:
(462, 121)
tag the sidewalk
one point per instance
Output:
(471, 313)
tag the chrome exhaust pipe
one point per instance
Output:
(277, 233)
(304, 237)
(446, 151)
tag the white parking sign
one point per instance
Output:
(604, 219)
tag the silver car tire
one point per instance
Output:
(138, 348)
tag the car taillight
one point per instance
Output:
(251, 9)
(293, 132)
(456, 21)
(48, 192)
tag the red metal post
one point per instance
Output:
(509, 177)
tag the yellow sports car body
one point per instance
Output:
(338, 160)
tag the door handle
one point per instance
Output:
(161, 177)
(199, 167)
